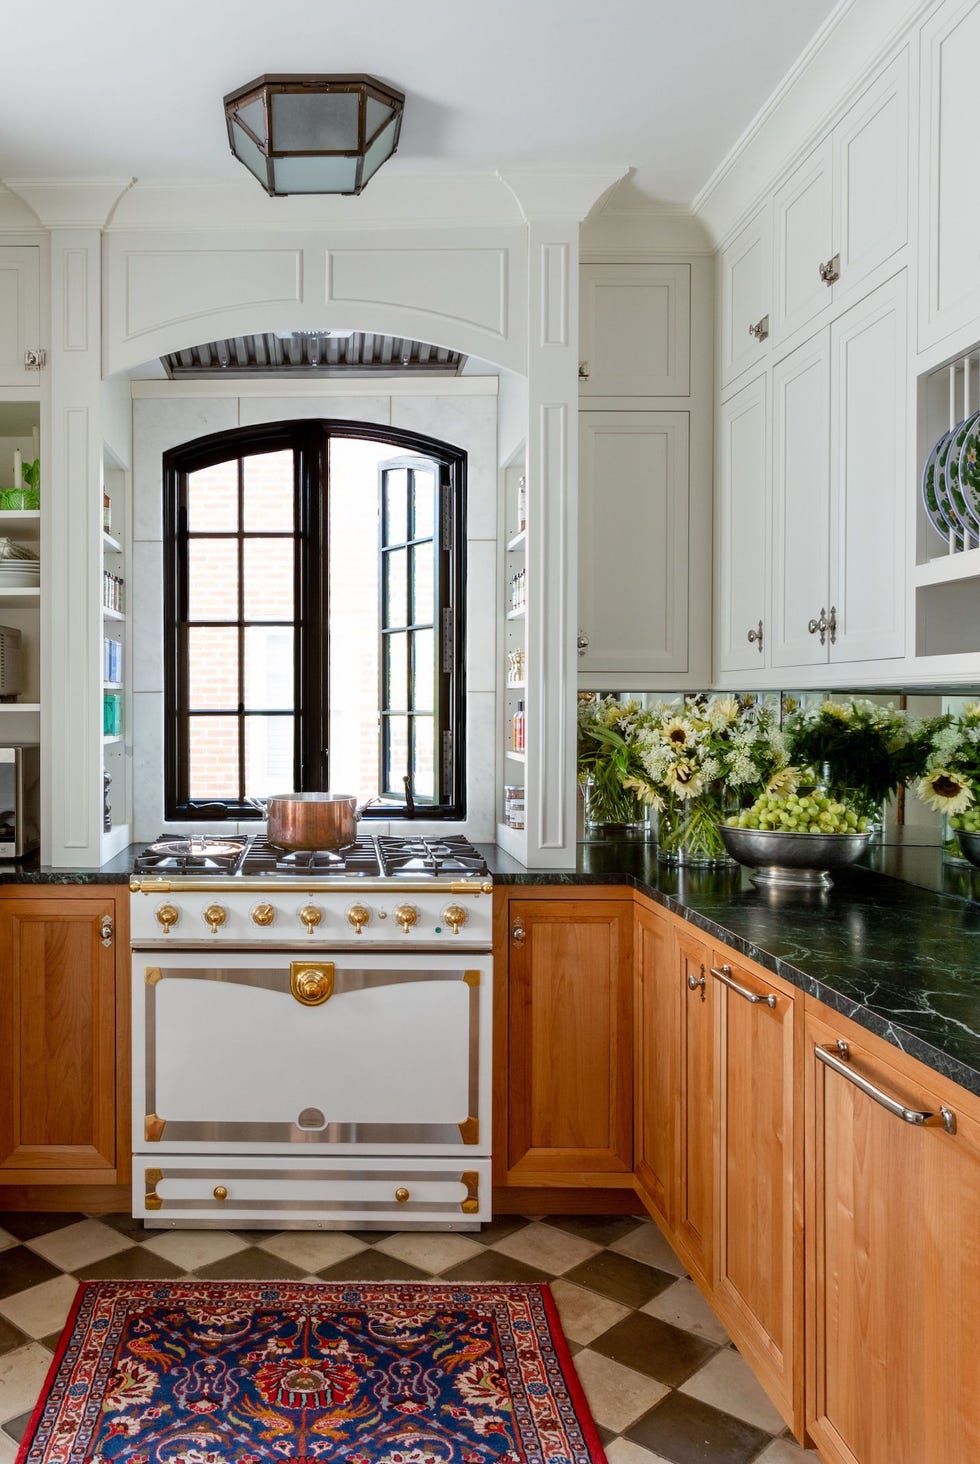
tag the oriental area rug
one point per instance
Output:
(245, 1372)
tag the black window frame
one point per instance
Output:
(309, 439)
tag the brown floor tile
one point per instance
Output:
(492, 1266)
(10, 1336)
(606, 1435)
(688, 1432)
(17, 1427)
(28, 1225)
(372, 1266)
(620, 1277)
(370, 1237)
(600, 1229)
(126, 1225)
(498, 1229)
(21, 1267)
(656, 1348)
(51, 1343)
(250, 1264)
(135, 1264)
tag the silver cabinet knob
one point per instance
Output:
(760, 331)
(830, 270)
(821, 624)
(517, 934)
(582, 642)
(754, 637)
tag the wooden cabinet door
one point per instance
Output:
(633, 543)
(758, 1280)
(803, 240)
(635, 330)
(569, 1039)
(741, 530)
(893, 1260)
(656, 1020)
(868, 417)
(746, 296)
(20, 322)
(800, 503)
(871, 178)
(694, 1176)
(58, 1037)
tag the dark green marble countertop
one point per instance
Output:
(895, 947)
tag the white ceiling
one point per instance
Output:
(126, 88)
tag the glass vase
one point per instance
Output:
(610, 809)
(687, 831)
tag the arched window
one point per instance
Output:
(313, 619)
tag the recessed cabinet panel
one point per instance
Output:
(746, 296)
(634, 330)
(871, 165)
(741, 521)
(633, 542)
(801, 504)
(867, 525)
(20, 326)
(803, 227)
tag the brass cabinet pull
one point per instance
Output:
(724, 975)
(215, 915)
(311, 915)
(837, 1059)
(755, 637)
(167, 915)
(517, 934)
(220, 1193)
(311, 983)
(402, 1195)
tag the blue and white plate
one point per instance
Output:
(962, 501)
(930, 495)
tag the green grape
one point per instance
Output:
(815, 812)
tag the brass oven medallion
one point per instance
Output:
(311, 982)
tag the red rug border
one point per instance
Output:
(580, 1403)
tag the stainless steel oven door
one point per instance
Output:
(257, 1052)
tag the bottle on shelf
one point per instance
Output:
(521, 503)
(106, 512)
(517, 729)
(514, 805)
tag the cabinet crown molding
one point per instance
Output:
(71, 203)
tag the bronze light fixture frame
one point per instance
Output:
(264, 151)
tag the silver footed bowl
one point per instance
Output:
(793, 860)
(970, 845)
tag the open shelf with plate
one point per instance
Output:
(20, 604)
(514, 682)
(117, 703)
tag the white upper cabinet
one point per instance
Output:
(741, 531)
(838, 547)
(949, 209)
(844, 212)
(20, 328)
(803, 227)
(634, 330)
(746, 296)
(633, 544)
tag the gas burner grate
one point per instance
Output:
(194, 855)
(418, 856)
(356, 860)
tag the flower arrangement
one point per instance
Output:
(950, 780)
(605, 759)
(694, 763)
(869, 750)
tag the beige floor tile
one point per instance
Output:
(8, 1449)
(786, 1451)
(6, 1239)
(546, 1247)
(624, 1451)
(726, 1383)
(585, 1314)
(22, 1373)
(617, 1395)
(42, 1309)
(683, 1305)
(80, 1244)
(646, 1244)
(430, 1250)
(312, 1249)
(193, 1248)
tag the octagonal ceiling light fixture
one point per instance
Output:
(313, 134)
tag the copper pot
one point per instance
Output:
(312, 820)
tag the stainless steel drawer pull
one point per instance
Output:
(837, 1059)
(724, 975)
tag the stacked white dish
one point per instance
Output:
(20, 568)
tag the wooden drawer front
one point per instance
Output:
(329, 1195)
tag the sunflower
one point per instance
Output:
(678, 732)
(945, 791)
(684, 780)
(783, 781)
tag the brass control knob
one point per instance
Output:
(220, 1193)
(311, 915)
(358, 916)
(167, 915)
(455, 916)
(402, 1196)
(215, 916)
(263, 914)
(407, 916)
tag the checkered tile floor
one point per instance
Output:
(664, 1383)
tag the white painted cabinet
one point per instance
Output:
(843, 212)
(949, 202)
(20, 328)
(838, 541)
(745, 289)
(634, 330)
(742, 530)
(633, 544)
